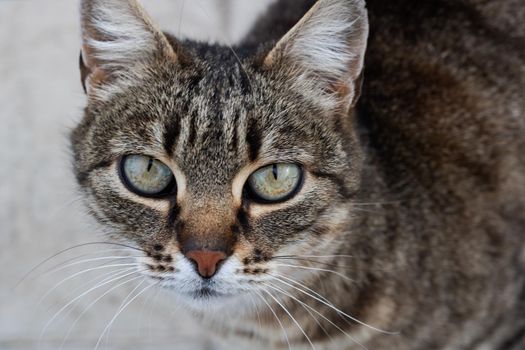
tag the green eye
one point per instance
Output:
(147, 176)
(275, 183)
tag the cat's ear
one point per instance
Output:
(117, 35)
(325, 51)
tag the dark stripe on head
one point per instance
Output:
(173, 214)
(193, 83)
(171, 134)
(235, 229)
(193, 129)
(234, 140)
(243, 219)
(254, 141)
(244, 81)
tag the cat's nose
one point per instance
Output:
(207, 261)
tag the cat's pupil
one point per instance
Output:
(150, 164)
(274, 170)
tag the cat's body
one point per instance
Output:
(412, 217)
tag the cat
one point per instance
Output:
(350, 176)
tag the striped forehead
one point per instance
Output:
(214, 121)
(213, 138)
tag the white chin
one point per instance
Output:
(209, 301)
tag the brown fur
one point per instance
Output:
(422, 183)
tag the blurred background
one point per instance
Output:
(40, 210)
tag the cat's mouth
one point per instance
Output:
(206, 293)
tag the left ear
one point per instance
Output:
(116, 36)
(325, 52)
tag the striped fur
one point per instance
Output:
(410, 218)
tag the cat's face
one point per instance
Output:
(217, 170)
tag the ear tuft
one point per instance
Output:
(326, 49)
(117, 34)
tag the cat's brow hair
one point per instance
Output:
(212, 120)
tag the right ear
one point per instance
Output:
(324, 52)
(117, 35)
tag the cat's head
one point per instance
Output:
(220, 168)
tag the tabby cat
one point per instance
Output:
(318, 186)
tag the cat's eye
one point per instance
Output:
(275, 182)
(147, 176)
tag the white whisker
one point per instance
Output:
(77, 298)
(81, 256)
(317, 269)
(271, 285)
(92, 304)
(256, 309)
(276, 317)
(375, 203)
(298, 283)
(80, 273)
(63, 251)
(310, 290)
(306, 306)
(291, 317)
(314, 256)
(101, 278)
(310, 261)
(141, 313)
(119, 312)
(330, 305)
(122, 304)
(150, 315)
(89, 260)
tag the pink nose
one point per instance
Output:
(206, 261)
